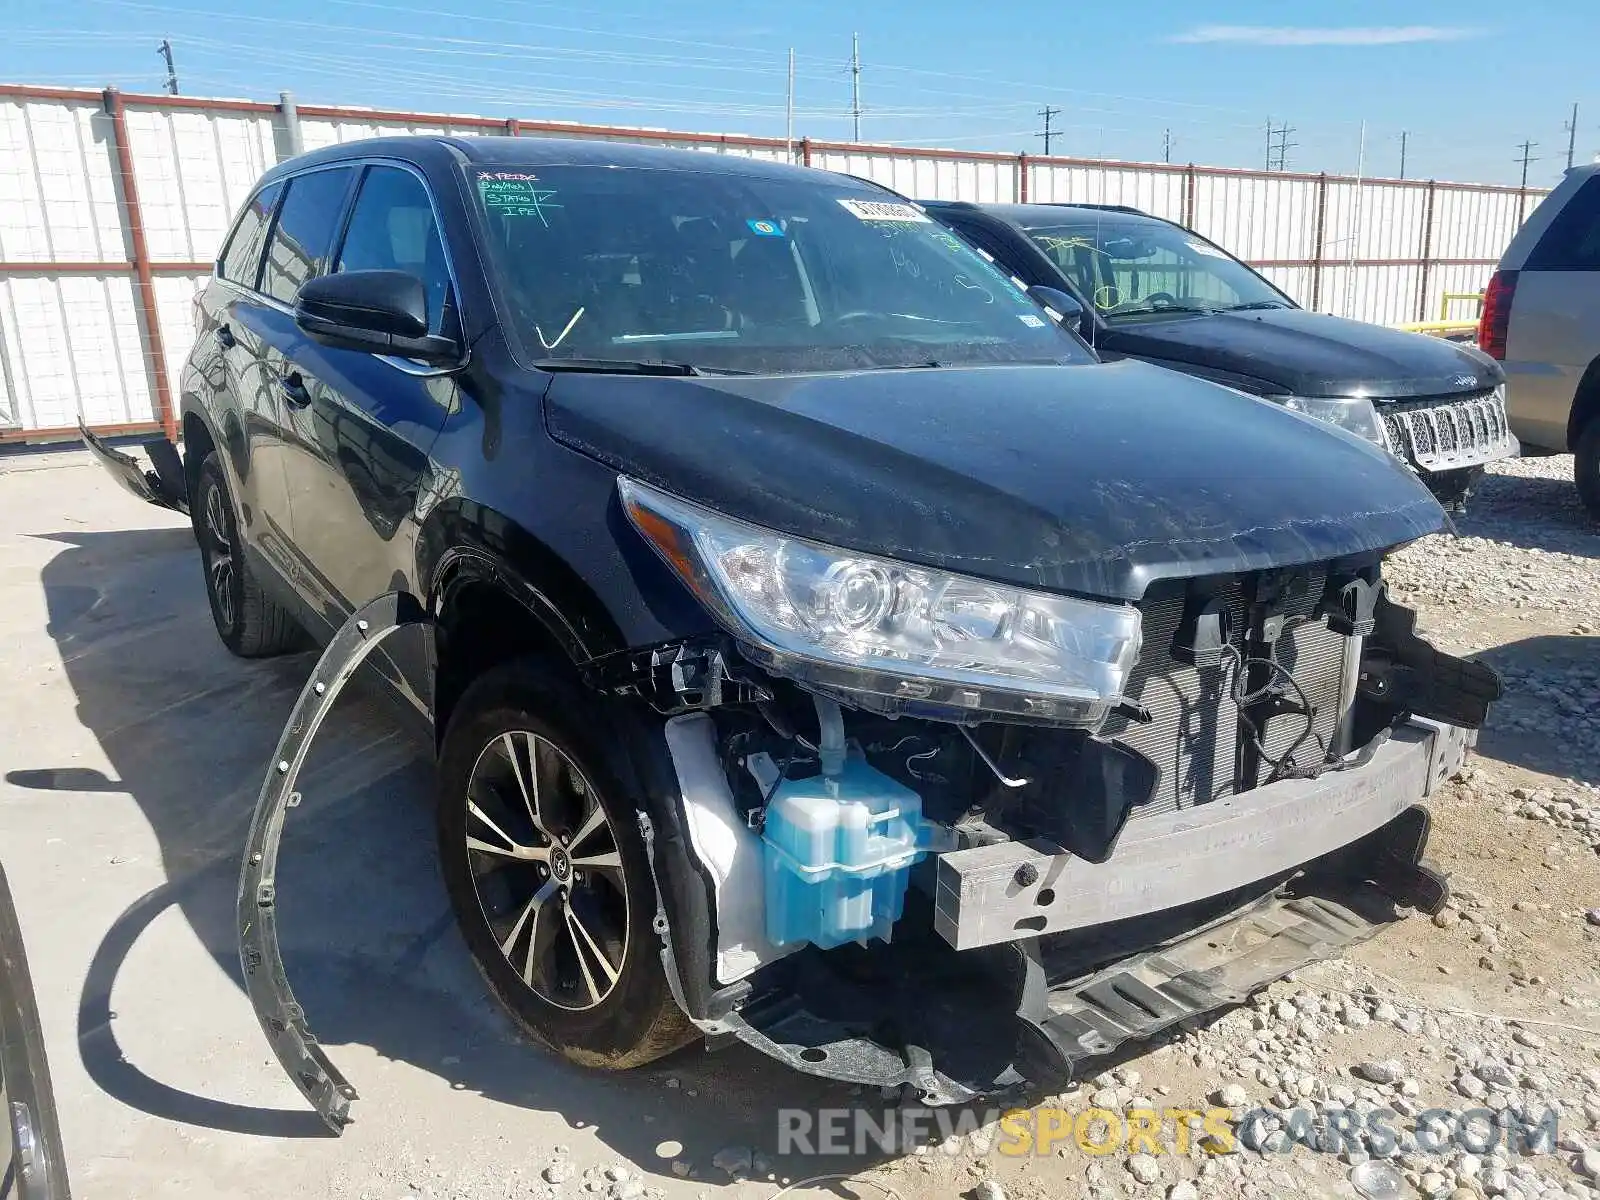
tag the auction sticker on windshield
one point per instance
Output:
(883, 210)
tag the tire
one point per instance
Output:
(249, 623)
(519, 730)
(1586, 465)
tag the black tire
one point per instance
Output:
(249, 623)
(550, 725)
(1586, 465)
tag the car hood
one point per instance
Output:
(1095, 479)
(1302, 353)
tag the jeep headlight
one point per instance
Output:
(1352, 413)
(894, 635)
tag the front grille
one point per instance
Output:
(1443, 434)
(1194, 730)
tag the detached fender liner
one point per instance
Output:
(281, 1017)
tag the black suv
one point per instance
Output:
(1153, 290)
(777, 577)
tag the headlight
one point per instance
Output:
(892, 634)
(1354, 414)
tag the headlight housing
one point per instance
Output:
(1352, 413)
(894, 636)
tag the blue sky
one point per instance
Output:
(1468, 80)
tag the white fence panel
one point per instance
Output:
(1256, 218)
(1157, 192)
(58, 195)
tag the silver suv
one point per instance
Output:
(1541, 318)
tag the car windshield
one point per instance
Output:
(1134, 271)
(729, 272)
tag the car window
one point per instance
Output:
(1142, 270)
(303, 233)
(766, 273)
(1572, 243)
(392, 228)
(241, 260)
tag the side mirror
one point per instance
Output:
(382, 312)
(1068, 310)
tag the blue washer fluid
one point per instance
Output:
(838, 855)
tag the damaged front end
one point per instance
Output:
(931, 883)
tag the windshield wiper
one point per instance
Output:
(1165, 308)
(1255, 304)
(629, 366)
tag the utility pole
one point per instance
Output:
(165, 50)
(1572, 134)
(1403, 135)
(855, 82)
(1048, 113)
(1166, 145)
(788, 114)
(1278, 155)
(1527, 157)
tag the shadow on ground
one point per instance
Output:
(1534, 512)
(371, 950)
(1543, 723)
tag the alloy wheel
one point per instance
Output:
(547, 870)
(220, 570)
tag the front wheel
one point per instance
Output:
(1586, 465)
(547, 874)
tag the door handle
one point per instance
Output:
(225, 337)
(294, 389)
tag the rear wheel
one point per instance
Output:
(248, 622)
(1586, 465)
(541, 854)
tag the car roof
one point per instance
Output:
(438, 150)
(1034, 214)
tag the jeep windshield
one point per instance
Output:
(732, 272)
(1146, 270)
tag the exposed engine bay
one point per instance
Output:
(1265, 766)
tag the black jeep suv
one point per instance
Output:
(823, 648)
(1155, 291)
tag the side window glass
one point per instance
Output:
(1572, 243)
(392, 229)
(303, 234)
(241, 261)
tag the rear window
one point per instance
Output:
(303, 235)
(241, 260)
(1572, 243)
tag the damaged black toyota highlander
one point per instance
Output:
(824, 651)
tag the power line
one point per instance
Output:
(1048, 114)
(1526, 158)
(165, 50)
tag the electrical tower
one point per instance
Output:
(1404, 134)
(855, 82)
(1166, 145)
(1525, 158)
(1047, 133)
(165, 50)
(1279, 145)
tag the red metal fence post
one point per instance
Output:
(513, 127)
(144, 278)
(1318, 233)
(805, 151)
(1022, 178)
(1425, 264)
(1188, 196)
